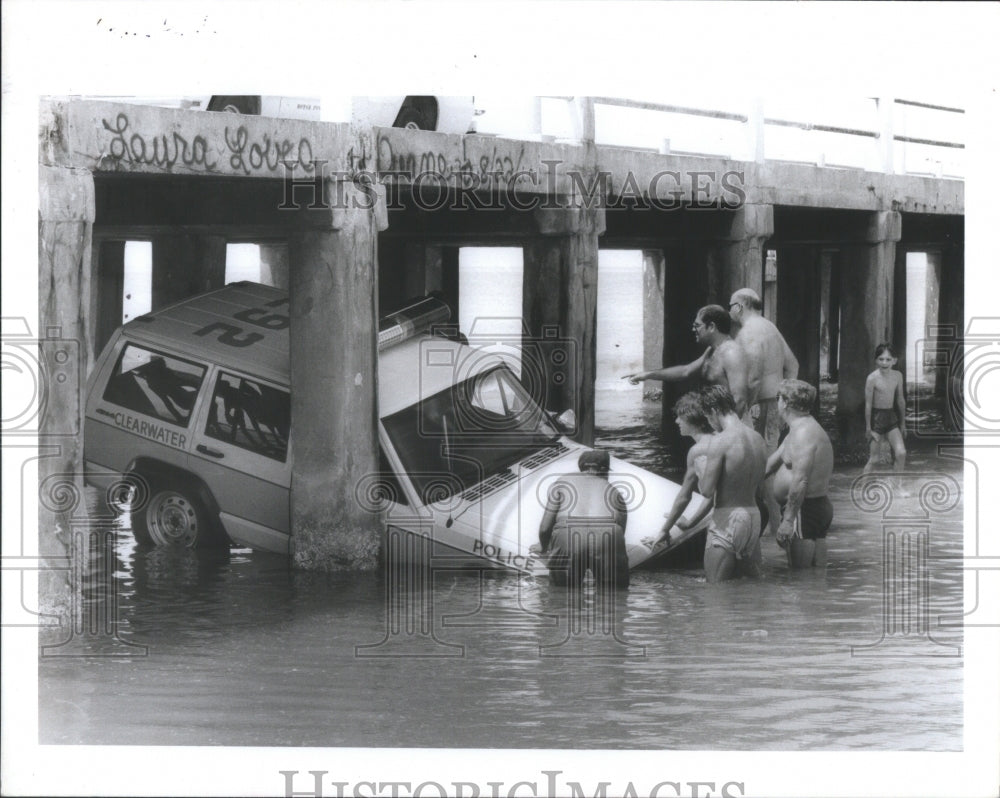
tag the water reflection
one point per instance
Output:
(241, 650)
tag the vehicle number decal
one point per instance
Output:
(231, 335)
(262, 318)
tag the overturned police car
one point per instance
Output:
(189, 407)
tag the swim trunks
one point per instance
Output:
(581, 546)
(766, 420)
(884, 420)
(734, 529)
(814, 519)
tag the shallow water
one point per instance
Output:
(239, 650)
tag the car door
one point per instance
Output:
(241, 450)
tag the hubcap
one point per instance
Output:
(172, 520)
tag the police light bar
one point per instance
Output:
(411, 321)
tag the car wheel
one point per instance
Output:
(173, 517)
(411, 118)
(236, 104)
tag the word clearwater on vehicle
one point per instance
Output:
(191, 403)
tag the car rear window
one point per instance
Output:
(155, 384)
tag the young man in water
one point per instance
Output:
(584, 527)
(722, 363)
(734, 471)
(802, 466)
(691, 422)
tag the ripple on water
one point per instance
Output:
(242, 651)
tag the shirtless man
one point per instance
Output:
(691, 422)
(722, 363)
(734, 470)
(802, 466)
(584, 527)
(769, 360)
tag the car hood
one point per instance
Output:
(505, 522)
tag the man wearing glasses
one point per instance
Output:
(723, 362)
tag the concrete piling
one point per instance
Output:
(333, 335)
(192, 182)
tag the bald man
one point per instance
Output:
(769, 361)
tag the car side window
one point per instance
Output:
(155, 384)
(251, 415)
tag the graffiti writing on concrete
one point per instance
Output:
(245, 154)
(267, 153)
(488, 170)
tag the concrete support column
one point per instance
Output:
(798, 311)
(560, 290)
(770, 293)
(274, 264)
(431, 268)
(333, 348)
(653, 274)
(687, 288)
(108, 293)
(867, 273)
(66, 212)
(741, 254)
(185, 264)
(898, 337)
(951, 312)
(832, 263)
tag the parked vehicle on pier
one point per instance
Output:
(189, 408)
(444, 114)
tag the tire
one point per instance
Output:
(235, 104)
(174, 516)
(411, 118)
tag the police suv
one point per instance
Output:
(190, 404)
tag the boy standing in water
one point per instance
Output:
(885, 408)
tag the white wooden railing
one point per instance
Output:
(891, 135)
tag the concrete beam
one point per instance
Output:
(569, 221)
(480, 163)
(114, 137)
(136, 139)
(707, 180)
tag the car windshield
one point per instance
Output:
(457, 438)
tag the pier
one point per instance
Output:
(353, 220)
